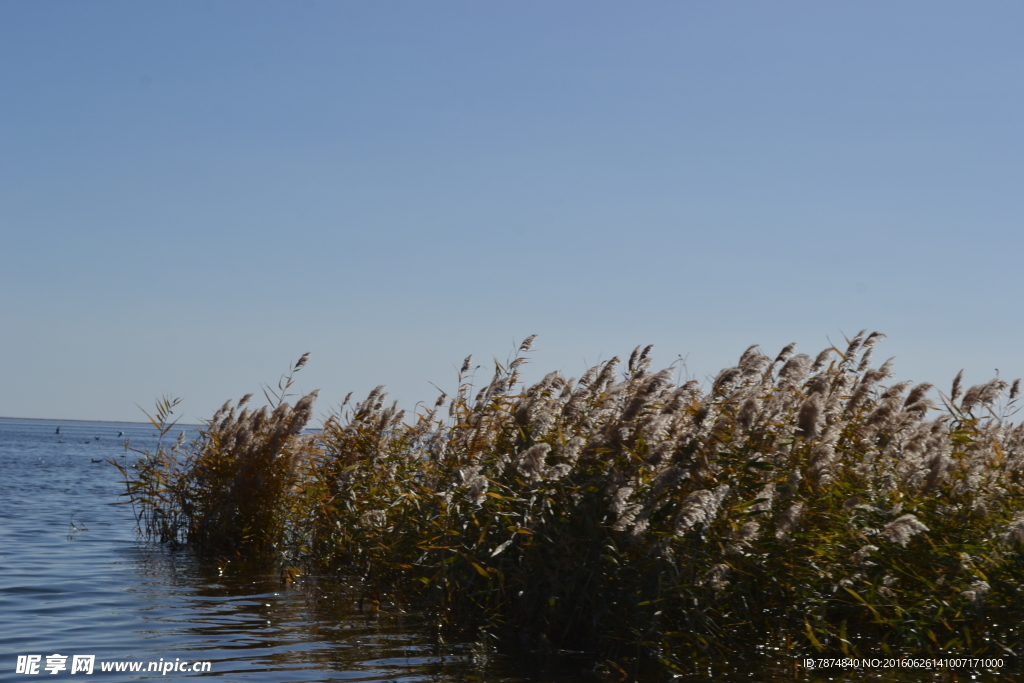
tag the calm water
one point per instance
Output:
(75, 580)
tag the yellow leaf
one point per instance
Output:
(878, 617)
(810, 634)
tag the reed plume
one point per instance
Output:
(800, 503)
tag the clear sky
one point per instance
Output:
(193, 194)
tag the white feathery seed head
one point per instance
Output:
(788, 519)
(700, 508)
(902, 529)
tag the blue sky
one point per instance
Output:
(192, 194)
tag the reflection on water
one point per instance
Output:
(75, 580)
(261, 630)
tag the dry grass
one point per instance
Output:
(231, 491)
(798, 503)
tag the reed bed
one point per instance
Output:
(795, 504)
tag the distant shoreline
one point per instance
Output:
(122, 422)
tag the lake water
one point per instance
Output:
(75, 580)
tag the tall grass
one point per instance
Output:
(795, 503)
(230, 492)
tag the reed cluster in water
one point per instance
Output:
(796, 502)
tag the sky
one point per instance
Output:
(193, 194)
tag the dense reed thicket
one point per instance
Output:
(797, 503)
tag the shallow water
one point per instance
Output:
(75, 580)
